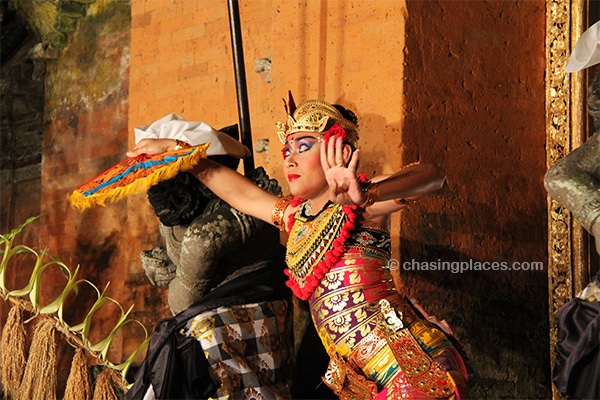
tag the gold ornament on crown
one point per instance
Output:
(315, 116)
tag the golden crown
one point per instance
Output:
(316, 116)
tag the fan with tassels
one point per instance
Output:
(134, 175)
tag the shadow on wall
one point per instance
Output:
(464, 112)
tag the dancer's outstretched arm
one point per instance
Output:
(385, 194)
(231, 186)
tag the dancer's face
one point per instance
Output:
(302, 164)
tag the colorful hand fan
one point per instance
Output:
(134, 175)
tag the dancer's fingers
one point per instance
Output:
(353, 164)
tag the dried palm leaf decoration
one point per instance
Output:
(37, 380)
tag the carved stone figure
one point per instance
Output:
(574, 180)
(217, 245)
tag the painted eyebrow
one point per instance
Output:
(303, 137)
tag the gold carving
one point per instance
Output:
(565, 130)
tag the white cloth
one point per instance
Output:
(587, 50)
(150, 395)
(173, 126)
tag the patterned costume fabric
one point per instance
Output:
(249, 348)
(176, 365)
(246, 343)
(414, 360)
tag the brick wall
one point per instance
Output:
(474, 88)
(21, 132)
(87, 107)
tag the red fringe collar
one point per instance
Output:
(333, 255)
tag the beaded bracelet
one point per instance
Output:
(278, 212)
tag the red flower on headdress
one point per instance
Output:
(336, 131)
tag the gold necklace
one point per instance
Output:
(308, 208)
(315, 245)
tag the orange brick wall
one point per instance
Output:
(86, 114)
(345, 51)
(349, 52)
(474, 89)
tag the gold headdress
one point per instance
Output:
(315, 116)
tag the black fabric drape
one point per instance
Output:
(175, 365)
(576, 372)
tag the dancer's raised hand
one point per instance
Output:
(339, 163)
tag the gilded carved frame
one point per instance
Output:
(566, 124)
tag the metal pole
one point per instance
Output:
(240, 81)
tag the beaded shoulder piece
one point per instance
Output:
(315, 245)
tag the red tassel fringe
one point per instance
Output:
(332, 256)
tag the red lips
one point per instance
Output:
(292, 177)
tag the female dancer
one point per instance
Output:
(338, 251)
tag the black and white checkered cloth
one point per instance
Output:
(249, 348)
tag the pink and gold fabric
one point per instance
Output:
(346, 311)
(345, 305)
(381, 347)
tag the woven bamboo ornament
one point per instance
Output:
(13, 351)
(39, 380)
(39, 375)
(79, 333)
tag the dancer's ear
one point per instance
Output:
(347, 153)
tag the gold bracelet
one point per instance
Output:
(372, 190)
(279, 210)
(180, 144)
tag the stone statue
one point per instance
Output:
(217, 245)
(574, 180)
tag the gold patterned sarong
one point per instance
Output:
(414, 362)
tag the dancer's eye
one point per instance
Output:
(304, 145)
(299, 145)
